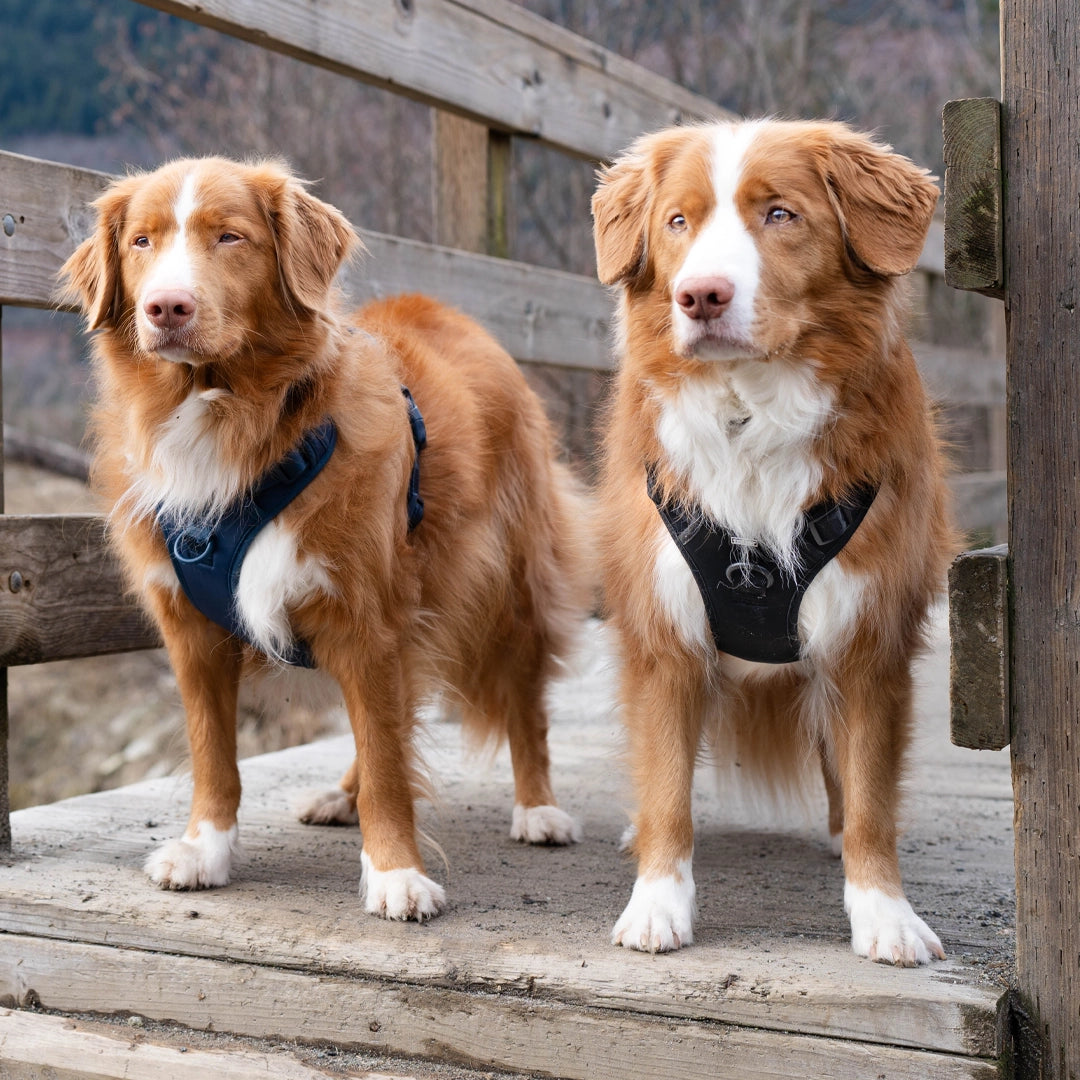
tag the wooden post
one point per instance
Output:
(5, 799)
(472, 171)
(1040, 120)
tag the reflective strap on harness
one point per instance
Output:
(751, 603)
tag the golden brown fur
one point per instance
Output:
(826, 324)
(478, 600)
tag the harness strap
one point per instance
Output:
(751, 602)
(207, 555)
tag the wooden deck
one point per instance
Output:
(518, 975)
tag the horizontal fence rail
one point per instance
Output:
(61, 592)
(489, 60)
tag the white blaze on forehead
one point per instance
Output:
(723, 247)
(173, 266)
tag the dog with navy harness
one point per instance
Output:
(370, 498)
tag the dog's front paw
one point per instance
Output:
(405, 893)
(199, 862)
(660, 915)
(332, 806)
(543, 825)
(886, 929)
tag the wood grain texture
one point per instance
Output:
(979, 655)
(489, 60)
(38, 1047)
(973, 246)
(1041, 158)
(401, 1016)
(61, 592)
(460, 182)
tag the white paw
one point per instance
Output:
(660, 915)
(544, 825)
(399, 894)
(199, 862)
(332, 806)
(836, 844)
(629, 835)
(885, 929)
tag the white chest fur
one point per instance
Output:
(740, 436)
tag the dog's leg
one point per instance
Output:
(206, 662)
(392, 880)
(664, 717)
(536, 819)
(835, 796)
(870, 740)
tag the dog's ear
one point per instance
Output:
(90, 278)
(620, 210)
(313, 239)
(885, 202)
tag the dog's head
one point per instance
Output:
(195, 260)
(731, 235)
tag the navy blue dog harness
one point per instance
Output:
(207, 556)
(751, 602)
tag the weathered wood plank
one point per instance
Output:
(973, 248)
(539, 315)
(5, 789)
(61, 592)
(979, 655)
(504, 1031)
(48, 204)
(1041, 157)
(489, 60)
(775, 958)
(460, 182)
(34, 1046)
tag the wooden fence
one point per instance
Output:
(495, 72)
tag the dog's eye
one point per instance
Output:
(779, 215)
(677, 223)
(229, 238)
(141, 242)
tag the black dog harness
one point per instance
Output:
(752, 604)
(207, 555)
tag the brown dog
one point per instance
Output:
(773, 504)
(224, 368)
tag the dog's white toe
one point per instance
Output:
(200, 862)
(660, 915)
(332, 806)
(886, 929)
(404, 893)
(544, 825)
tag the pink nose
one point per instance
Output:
(704, 297)
(169, 309)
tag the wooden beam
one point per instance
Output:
(973, 253)
(979, 649)
(61, 592)
(1040, 140)
(5, 792)
(460, 182)
(489, 60)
